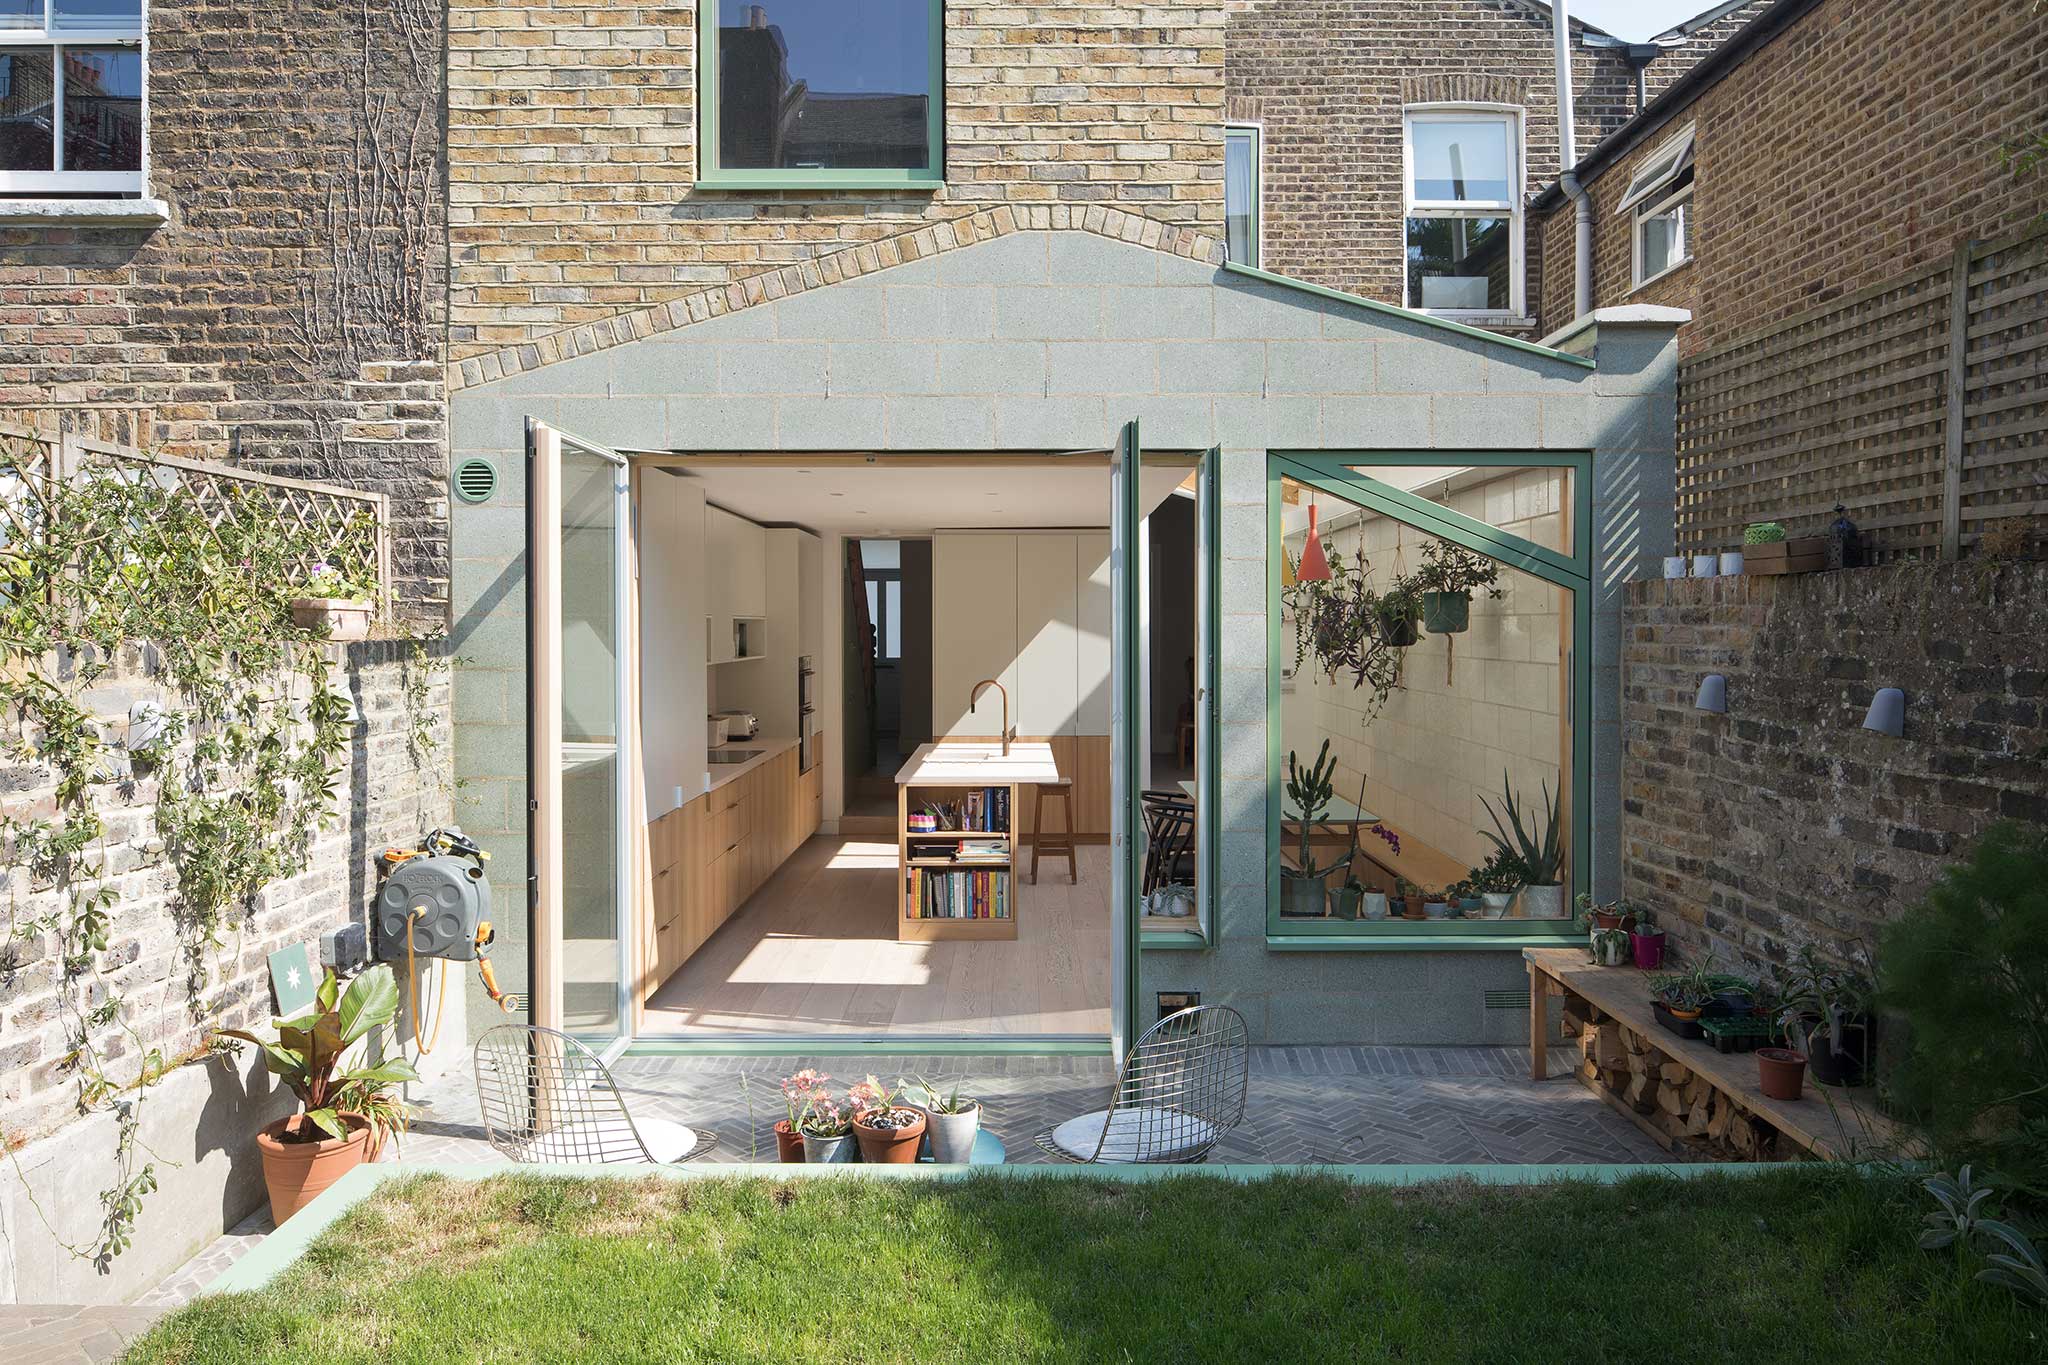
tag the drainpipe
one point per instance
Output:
(1568, 160)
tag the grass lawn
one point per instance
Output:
(1807, 1265)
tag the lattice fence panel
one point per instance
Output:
(2005, 406)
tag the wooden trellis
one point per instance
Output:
(1920, 404)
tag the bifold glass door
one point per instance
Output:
(578, 739)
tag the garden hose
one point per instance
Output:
(412, 990)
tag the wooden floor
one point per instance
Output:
(815, 952)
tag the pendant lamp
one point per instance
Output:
(1315, 567)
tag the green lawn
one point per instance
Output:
(1801, 1265)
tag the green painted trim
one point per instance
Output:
(1128, 511)
(1412, 943)
(712, 176)
(278, 1252)
(897, 1046)
(1156, 943)
(1552, 931)
(1209, 723)
(1252, 133)
(1408, 315)
(1276, 554)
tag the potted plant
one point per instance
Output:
(345, 1111)
(1346, 900)
(1646, 942)
(1824, 1010)
(1678, 998)
(1610, 915)
(1781, 1073)
(827, 1130)
(1497, 880)
(1399, 613)
(333, 605)
(1372, 905)
(1465, 902)
(796, 1093)
(1539, 852)
(1605, 937)
(1763, 533)
(888, 1132)
(1434, 905)
(1337, 622)
(1305, 887)
(1407, 899)
(952, 1121)
(1448, 575)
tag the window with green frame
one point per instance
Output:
(1429, 664)
(1241, 193)
(824, 94)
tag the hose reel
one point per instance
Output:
(436, 903)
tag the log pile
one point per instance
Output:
(1682, 1109)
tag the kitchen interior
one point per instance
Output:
(864, 683)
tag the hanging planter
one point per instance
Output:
(1447, 613)
(1400, 617)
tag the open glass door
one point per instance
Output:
(1126, 815)
(578, 718)
(1208, 708)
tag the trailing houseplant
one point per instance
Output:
(1539, 849)
(1304, 888)
(888, 1132)
(1445, 582)
(1337, 622)
(954, 1120)
(1824, 1010)
(346, 1111)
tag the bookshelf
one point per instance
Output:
(957, 881)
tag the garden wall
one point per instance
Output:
(197, 1125)
(1784, 821)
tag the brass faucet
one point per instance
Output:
(1009, 730)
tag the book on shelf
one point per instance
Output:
(937, 893)
(982, 809)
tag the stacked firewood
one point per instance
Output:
(1681, 1108)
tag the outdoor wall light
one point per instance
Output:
(1713, 695)
(1887, 714)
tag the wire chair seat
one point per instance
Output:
(548, 1099)
(1179, 1091)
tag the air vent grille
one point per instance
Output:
(1508, 1000)
(475, 480)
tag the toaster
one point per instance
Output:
(740, 724)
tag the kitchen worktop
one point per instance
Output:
(968, 764)
(721, 773)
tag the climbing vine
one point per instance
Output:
(240, 751)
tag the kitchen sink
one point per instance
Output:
(726, 757)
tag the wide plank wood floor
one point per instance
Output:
(815, 951)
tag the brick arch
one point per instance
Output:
(1464, 88)
(932, 240)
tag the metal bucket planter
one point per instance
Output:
(1304, 896)
(1447, 613)
(951, 1136)
(1494, 904)
(829, 1151)
(1543, 902)
(1344, 902)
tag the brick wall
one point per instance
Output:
(299, 153)
(573, 150)
(1784, 821)
(1861, 142)
(389, 796)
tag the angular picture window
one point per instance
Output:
(1463, 224)
(1241, 193)
(833, 93)
(72, 92)
(1659, 201)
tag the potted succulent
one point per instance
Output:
(1399, 613)
(827, 1130)
(1407, 899)
(1448, 575)
(1538, 851)
(345, 1111)
(1605, 936)
(334, 606)
(1305, 887)
(1465, 902)
(1646, 942)
(1435, 905)
(888, 1132)
(1781, 1073)
(1678, 999)
(1496, 880)
(1609, 915)
(1824, 1011)
(952, 1121)
(796, 1093)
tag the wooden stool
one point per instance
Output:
(1059, 842)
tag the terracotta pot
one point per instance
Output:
(889, 1146)
(1781, 1072)
(296, 1172)
(789, 1143)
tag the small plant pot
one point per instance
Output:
(1447, 613)
(1494, 904)
(1373, 905)
(1400, 632)
(1469, 907)
(340, 619)
(1850, 1066)
(1344, 902)
(295, 1173)
(830, 1151)
(1436, 910)
(884, 1145)
(1605, 920)
(1781, 1073)
(1705, 566)
(1647, 949)
(1304, 897)
(1610, 947)
(1543, 902)
(1674, 566)
(1731, 562)
(952, 1136)
(789, 1144)
(1684, 1023)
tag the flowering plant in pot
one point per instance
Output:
(1538, 849)
(827, 1130)
(888, 1132)
(953, 1121)
(797, 1091)
(346, 1112)
(333, 605)
(1646, 941)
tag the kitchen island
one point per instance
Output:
(956, 869)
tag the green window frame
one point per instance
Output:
(712, 176)
(1247, 139)
(1333, 472)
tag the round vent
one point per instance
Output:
(475, 480)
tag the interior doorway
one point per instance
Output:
(888, 700)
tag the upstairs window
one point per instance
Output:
(1659, 202)
(1241, 193)
(1462, 168)
(843, 94)
(71, 98)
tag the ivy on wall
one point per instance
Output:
(246, 751)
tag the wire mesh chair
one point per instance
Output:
(548, 1098)
(1180, 1089)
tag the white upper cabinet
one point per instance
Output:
(735, 565)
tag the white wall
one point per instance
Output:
(672, 663)
(1030, 609)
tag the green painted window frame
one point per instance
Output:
(1333, 472)
(711, 176)
(1253, 134)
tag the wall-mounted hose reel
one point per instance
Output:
(436, 903)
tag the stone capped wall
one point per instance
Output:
(1784, 821)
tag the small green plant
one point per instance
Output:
(1539, 851)
(1690, 989)
(1763, 533)
(1451, 568)
(326, 580)
(1817, 997)
(823, 1116)
(1965, 1220)
(938, 1101)
(1502, 874)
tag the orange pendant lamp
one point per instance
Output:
(1315, 566)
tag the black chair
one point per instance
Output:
(1169, 840)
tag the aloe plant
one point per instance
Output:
(1541, 857)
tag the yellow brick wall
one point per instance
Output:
(573, 148)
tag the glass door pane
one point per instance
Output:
(1125, 729)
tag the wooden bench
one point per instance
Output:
(1687, 1096)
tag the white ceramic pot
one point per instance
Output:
(1705, 566)
(1731, 562)
(1373, 905)
(1674, 566)
(1543, 902)
(1494, 904)
(952, 1136)
(1610, 947)
(1436, 909)
(829, 1151)
(337, 618)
